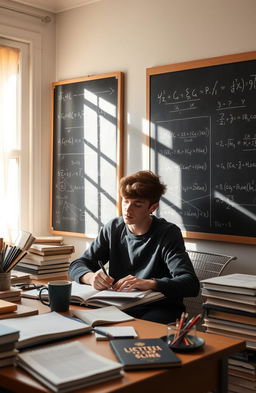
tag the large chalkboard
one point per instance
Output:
(87, 163)
(202, 141)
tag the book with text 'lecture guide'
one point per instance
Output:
(88, 296)
(68, 366)
(144, 353)
(234, 283)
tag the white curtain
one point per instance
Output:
(9, 142)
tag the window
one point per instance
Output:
(14, 137)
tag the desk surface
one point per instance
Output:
(200, 370)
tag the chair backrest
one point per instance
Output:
(206, 265)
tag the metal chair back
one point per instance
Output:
(206, 265)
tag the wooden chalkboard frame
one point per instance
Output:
(120, 142)
(214, 61)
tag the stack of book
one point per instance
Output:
(242, 372)
(13, 310)
(19, 278)
(8, 339)
(11, 295)
(46, 261)
(230, 310)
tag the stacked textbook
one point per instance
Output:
(13, 310)
(11, 295)
(45, 261)
(8, 339)
(230, 310)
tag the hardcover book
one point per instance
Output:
(235, 283)
(8, 334)
(6, 306)
(144, 353)
(48, 249)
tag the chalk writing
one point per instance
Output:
(84, 180)
(203, 144)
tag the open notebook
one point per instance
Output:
(88, 296)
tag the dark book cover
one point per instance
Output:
(228, 310)
(144, 353)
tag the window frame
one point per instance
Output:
(30, 115)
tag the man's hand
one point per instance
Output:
(97, 280)
(129, 283)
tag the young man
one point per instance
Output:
(144, 252)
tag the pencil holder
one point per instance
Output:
(5, 281)
(173, 332)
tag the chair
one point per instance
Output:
(206, 265)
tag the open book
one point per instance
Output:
(100, 316)
(88, 296)
(38, 329)
(67, 367)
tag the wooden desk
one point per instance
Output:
(201, 371)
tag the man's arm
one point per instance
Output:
(182, 280)
(86, 270)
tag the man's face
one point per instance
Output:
(135, 211)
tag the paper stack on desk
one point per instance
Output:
(69, 366)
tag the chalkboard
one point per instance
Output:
(202, 142)
(87, 143)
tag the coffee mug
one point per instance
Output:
(59, 294)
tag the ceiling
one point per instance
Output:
(56, 6)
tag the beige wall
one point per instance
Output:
(131, 35)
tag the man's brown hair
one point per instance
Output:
(144, 185)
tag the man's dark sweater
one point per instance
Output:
(159, 254)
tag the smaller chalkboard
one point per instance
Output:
(87, 143)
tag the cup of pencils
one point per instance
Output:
(5, 281)
(10, 255)
(182, 334)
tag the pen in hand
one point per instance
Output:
(102, 267)
(104, 270)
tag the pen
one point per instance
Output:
(105, 272)
(102, 268)
(103, 333)
(187, 328)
